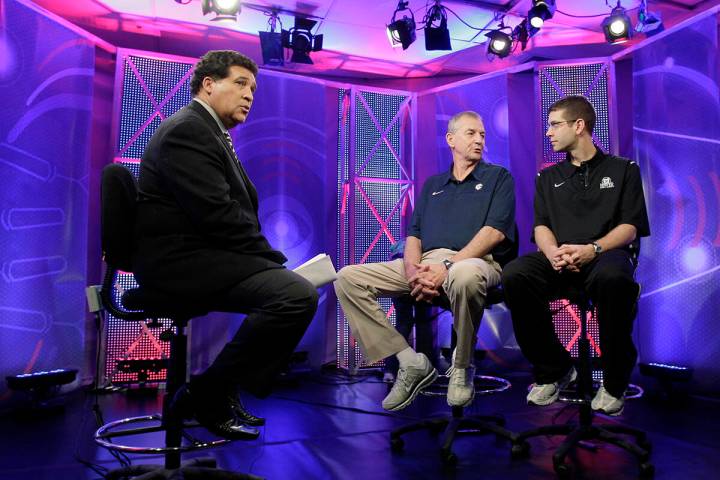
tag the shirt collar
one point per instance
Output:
(597, 158)
(474, 173)
(214, 115)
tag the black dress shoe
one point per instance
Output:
(213, 413)
(242, 415)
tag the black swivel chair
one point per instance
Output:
(584, 430)
(118, 209)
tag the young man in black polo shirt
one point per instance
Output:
(462, 231)
(589, 215)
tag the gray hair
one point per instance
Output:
(452, 124)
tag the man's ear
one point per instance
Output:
(450, 139)
(208, 84)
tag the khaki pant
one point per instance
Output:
(359, 286)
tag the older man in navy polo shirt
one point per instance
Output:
(462, 232)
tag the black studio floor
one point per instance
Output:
(331, 427)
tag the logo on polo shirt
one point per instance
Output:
(437, 193)
(606, 182)
(478, 186)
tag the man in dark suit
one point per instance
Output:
(199, 240)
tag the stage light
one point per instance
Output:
(402, 32)
(437, 35)
(617, 26)
(41, 385)
(301, 40)
(271, 43)
(541, 11)
(649, 23)
(499, 43)
(668, 376)
(223, 9)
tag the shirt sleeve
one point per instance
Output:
(501, 214)
(632, 204)
(415, 227)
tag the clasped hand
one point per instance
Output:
(570, 257)
(426, 280)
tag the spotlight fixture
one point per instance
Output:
(617, 26)
(499, 44)
(402, 32)
(648, 23)
(437, 35)
(301, 40)
(223, 9)
(541, 11)
(271, 43)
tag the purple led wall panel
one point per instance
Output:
(46, 84)
(557, 81)
(676, 85)
(375, 181)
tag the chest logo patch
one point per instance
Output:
(606, 182)
(478, 186)
(437, 193)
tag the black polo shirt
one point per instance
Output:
(448, 213)
(582, 204)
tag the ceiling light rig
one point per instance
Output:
(223, 9)
(617, 26)
(437, 35)
(541, 11)
(271, 42)
(301, 40)
(649, 23)
(402, 32)
(499, 42)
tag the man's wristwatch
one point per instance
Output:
(596, 246)
(448, 263)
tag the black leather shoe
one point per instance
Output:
(213, 413)
(241, 413)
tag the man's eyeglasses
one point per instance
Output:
(556, 125)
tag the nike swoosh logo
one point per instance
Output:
(437, 193)
(559, 184)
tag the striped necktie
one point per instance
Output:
(232, 148)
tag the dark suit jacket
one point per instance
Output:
(197, 231)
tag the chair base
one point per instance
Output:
(577, 434)
(451, 426)
(198, 468)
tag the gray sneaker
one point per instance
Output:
(461, 387)
(408, 384)
(607, 404)
(547, 393)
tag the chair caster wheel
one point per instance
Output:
(449, 459)
(396, 444)
(520, 450)
(647, 470)
(563, 470)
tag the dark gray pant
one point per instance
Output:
(530, 283)
(280, 305)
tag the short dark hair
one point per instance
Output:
(216, 63)
(576, 106)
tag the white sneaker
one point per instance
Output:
(547, 393)
(410, 381)
(461, 387)
(607, 404)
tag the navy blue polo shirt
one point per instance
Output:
(449, 213)
(581, 204)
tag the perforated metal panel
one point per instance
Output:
(374, 186)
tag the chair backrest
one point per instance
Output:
(118, 207)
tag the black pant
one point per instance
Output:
(280, 305)
(530, 283)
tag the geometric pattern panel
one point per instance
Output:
(375, 186)
(151, 89)
(589, 80)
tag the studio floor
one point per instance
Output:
(329, 426)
